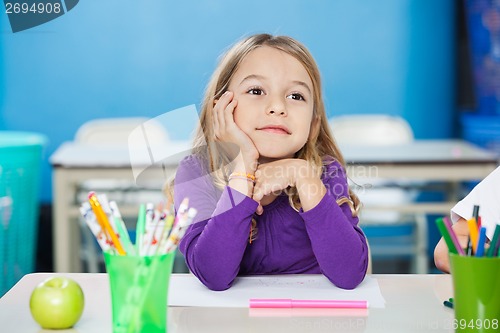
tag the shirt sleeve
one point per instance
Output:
(214, 244)
(486, 195)
(337, 241)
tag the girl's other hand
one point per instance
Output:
(273, 177)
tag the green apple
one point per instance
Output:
(57, 303)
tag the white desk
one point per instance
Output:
(444, 160)
(414, 303)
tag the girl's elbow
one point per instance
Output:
(350, 284)
(217, 286)
(350, 278)
(215, 283)
(213, 279)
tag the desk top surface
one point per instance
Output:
(75, 155)
(420, 152)
(414, 303)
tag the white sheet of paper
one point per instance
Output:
(187, 290)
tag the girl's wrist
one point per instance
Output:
(242, 175)
(242, 184)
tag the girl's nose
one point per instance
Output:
(277, 107)
(281, 113)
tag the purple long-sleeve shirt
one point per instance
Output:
(325, 239)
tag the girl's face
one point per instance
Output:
(275, 102)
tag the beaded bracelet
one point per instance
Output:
(241, 175)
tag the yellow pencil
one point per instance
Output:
(473, 233)
(103, 221)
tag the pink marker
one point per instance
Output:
(276, 303)
(453, 235)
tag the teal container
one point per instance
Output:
(20, 164)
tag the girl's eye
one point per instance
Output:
(296, 96)
(255, 91)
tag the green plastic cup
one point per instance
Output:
(476, 287)
(139, 291)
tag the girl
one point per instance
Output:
(266, 175)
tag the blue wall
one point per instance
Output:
(114, 58)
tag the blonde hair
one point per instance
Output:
(320, 142)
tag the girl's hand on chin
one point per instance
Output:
(228, 133)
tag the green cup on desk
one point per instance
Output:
(476, 286)
(139, 291)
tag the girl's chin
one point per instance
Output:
(266, 158)
(270, 151)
